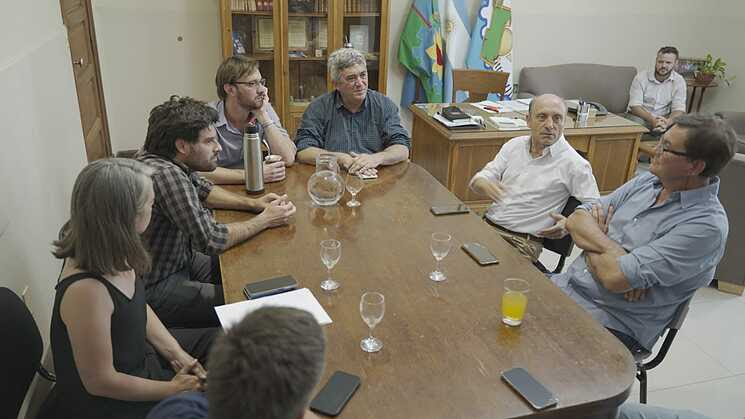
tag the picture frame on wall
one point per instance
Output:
(687, 66)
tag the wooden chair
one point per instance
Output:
(479, 83)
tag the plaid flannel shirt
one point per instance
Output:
(180, 222)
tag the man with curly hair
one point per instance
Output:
(184, 238)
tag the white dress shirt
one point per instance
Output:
(536, 187)
(660, 98)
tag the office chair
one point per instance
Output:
(21, 349)
(479, 83)
(672, 330)
(564, 245)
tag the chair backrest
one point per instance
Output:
(21, 348)
(564, 245)
(479, 83)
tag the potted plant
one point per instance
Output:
(712, 68)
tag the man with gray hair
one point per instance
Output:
(655, 240)
(360, 126)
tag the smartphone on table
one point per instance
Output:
(535, 393)
(449, 209)
(271, 286)
(480, 253)
(335, 394)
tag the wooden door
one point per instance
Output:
(78, 18)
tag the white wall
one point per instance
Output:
(143, 62)
(630, 33)
(42, 145)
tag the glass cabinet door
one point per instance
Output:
(253, 36)
(307, 34)
(361, 28)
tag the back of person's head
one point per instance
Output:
(343, 58)
(177, 118)
(232, 69)
(668, 50)
(710, 139)
(266, 366)
(101, 234)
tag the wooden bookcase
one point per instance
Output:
(292, 39)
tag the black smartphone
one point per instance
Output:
(480, 253)
(335, 394)
(271, 286)
(529, 388)
(449, 209)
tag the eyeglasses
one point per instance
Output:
(665, 149)
(252, 84)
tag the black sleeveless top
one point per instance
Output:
(129, 349)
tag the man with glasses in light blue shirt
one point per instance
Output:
(649, 245)
(244, 101)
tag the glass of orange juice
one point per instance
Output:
(514, 301)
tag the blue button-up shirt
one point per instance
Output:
(328, 125)
(673, 249)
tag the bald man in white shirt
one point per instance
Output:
(532, 177)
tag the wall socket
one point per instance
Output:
(26, 297)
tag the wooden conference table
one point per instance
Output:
(444, 343)
(609, 143)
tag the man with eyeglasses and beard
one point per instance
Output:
(649, 245)
(360, 126)
(244, 101)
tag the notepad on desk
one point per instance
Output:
(504, 123)
(303, 299)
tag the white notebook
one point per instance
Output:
(303, 299)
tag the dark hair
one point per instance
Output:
(101, 235)
(668, 50)
(266, 366)
(179, 117)
(708, 138)
(232, 69)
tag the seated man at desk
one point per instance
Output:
(266, 366)
(184, 283)
(244, 100)
(531, 179)
(655, 98)
(654, 241)
(360, 126)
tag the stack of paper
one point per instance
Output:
(302, 299)
(504, 123)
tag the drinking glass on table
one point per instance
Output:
(330, 255)
(372, 309)
(354, 186)
(514, 301)
(440, 246)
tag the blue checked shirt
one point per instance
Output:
(328, 125)
(673, 249)
(180, 221)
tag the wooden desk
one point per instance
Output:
(609, 143)
(444, 343)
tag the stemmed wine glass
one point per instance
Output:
(330, 255)
(354, 186)
(440, 246)
(372, 309)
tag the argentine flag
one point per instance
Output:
(455, 32)
(491, 41)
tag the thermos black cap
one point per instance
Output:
(252, 129)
